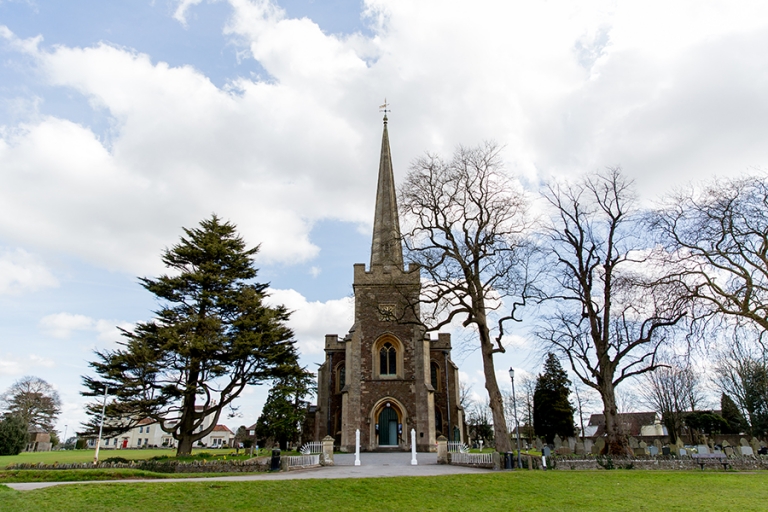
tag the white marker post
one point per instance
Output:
(544, 462)
(413, 447)
(357, 447)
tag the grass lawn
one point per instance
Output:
(72, 456)
(536, 490)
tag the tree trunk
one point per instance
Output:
(187, 423)
(500, 434)
(616, 442)
(185, 446)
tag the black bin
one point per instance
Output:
(275, 463)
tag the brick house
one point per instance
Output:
(387, 375)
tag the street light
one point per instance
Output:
(101, 427)
(64, 444)
(514, 403)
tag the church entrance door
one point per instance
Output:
(388, 427)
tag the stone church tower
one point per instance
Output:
(386, 376)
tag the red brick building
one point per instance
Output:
(386, 376)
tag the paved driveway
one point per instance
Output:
(373, 465)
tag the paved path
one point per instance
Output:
(372, 465)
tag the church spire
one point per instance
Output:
(386, 248)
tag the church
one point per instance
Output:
(387, 376)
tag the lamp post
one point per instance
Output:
(101, 427)
(65, 436)
(514, 404)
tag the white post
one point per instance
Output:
(357, 447)
(413, 447)
(101, 427)
(544, 462)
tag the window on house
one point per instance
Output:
(388, 360)
(141, 430)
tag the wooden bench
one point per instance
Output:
(705, 458)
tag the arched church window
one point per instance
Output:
(341, 377)
(434, 373)
(388, 360)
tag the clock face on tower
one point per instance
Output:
(387, 312)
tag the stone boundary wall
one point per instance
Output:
(738, 463)
(160, 466)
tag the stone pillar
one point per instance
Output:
(327, 453)
(442, 450)
(414, 462)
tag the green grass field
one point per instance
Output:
(539, 490)
(72, 456)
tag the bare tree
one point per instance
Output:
(523, 399)
(742, 373)
(716, 240)
(607, 322)
(672, 391)
(34, 400)
(585, 401)
(466, 225)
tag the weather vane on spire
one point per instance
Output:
(385, 107)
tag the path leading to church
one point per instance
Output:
(373, 465)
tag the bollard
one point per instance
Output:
(357, 447)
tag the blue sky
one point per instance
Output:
(121, 122)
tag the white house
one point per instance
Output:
(148, 434)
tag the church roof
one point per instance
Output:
(386, 247)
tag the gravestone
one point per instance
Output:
(538, 444)
(633, 443)
(597, 448)
(726, 444)
(653, 451)
(545, 451)
(588, 445)
(658, 446)
(557, 442)
(755, 444)
(743, 442)
(746, 451)
(729, 451)
(579, 449)
(702, 449)
(665, 450)
(682, 452)
(642, 445)
(564, 450)
(717, 450)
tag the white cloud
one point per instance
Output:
(22, 272)
(12, 366)
(63, 325)
(180, 14)
(311, 321)
(671, 93)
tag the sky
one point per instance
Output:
(122, 122)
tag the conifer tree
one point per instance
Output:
(552, 411)
(730, 411)
(13, 434)
(212, 336)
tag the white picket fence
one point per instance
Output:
(311, 447)
(472, 458)
(303, 460)
(457, 447)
